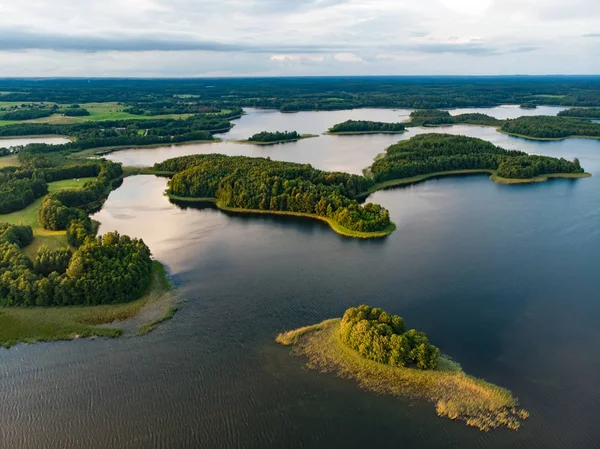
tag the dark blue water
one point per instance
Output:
(503, 278)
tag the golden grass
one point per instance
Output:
(12, 160)
(455, 394)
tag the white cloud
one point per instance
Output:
(304, 37)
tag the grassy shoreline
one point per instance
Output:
(37, 324)
(455, 394)
(333, 224)
(493, 177)
(276, 142)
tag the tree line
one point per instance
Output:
(431, 153)
(263, 184)
(542, 126)
(105, 270)
(592, 113)
(358, 126)
(381, 337)
(432, 117)
(277, 136)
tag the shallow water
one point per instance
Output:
(13, 142)
(502, 278)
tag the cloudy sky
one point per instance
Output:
(298, 37)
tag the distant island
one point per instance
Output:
(373, 348)
(366, 127)
(528, 106)
(272, 138)
(542, 127)
(436, 117)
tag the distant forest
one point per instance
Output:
(160, 96)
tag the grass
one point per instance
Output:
(303, 136)
(455, 394)
(332, 223)
(98, 112)
(12, 160)
(28, 217)
(35, 324)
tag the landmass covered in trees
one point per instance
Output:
(275, 137)
(529, 105)
(431, 153)
(366, 127)
(434, 117)
(382, 337)
(548, 127)
(160, 96)
(591, 113)
(264, 185)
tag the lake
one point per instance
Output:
(502, 278)
(16, 141)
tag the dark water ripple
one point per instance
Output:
(503, 278)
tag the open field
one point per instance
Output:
(11, 160)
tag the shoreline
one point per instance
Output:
(358, 133)
(548, 139)
(467, 172)
(338, 228)
(103, 151)
(46, 324)
(455, 394)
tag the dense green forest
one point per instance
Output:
(431, 153)
(548, 127)
(277, 136)
(592, 113)
(364, 126)
(381, 337)
(434, 117)
(105, 270)
(263, 184)
(159, 96)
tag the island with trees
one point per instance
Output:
(273, 138)
(259, 185)
(373, 348)
(528, 105)
(350, 127)
(436, 117)
(542, 127)
(430, 155)
(586, 113)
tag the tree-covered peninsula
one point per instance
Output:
(432, 154)
(588, 113)
(261, 185)
(366, 127)
(271, 138)
(372, 347)
(548, 127)
(436, 117)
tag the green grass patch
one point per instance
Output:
(455, 394)
(12, 160)
(30, 325)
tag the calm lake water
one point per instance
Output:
(503, 278)
(13, 142)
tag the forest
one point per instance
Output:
(591, 113)
(431, 153)
(105, 270)
(262, 184)
(364, 126)
(277, 136)
(158, 96)
(434, 117)
(380, 336)
(548, 127)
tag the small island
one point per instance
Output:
(273, 138)
(373, 348)
(528, 106)
(542, 127)
(354, 127)
(437, 117)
